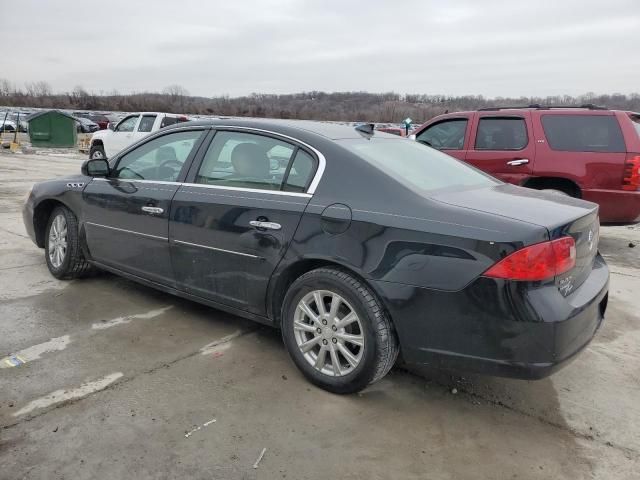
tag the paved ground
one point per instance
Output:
(120, 377)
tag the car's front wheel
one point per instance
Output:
(336, 331)
(63, 253)
(97, 152)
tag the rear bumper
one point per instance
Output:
(495, 327)
(616, 206)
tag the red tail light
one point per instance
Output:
(631, 177)
(537, 262)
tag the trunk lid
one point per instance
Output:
(560, 215)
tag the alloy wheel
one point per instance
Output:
(328, 333)
(58, 241)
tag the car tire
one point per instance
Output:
(344, 367)
(97, 152)
(62, 249)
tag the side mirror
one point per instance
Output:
(95, 167)
(111, 126)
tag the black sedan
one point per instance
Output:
(357, 244)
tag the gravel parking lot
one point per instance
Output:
(122, 381)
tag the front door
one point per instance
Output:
(503, 146)
(450, 135)
(122, 135)
(127, 214)
(233, 222)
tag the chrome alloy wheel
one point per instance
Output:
(58, 241)
(328, 332)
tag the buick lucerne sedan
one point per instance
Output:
(359, 245)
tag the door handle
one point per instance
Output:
(152, 210)
(265, 225)
(519, 161)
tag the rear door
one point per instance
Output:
(451, 135)
(503, 145)
(145, 126)
(126, 216)
(233, 220)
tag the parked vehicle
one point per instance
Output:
(365, 245)
(399, 131)
(86, 126)
(100, 119)
(7, 125)
(107, 143)
(588, 152)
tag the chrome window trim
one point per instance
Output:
(204, 185)
(128, 231)
(182, 242)
(242, 189)
(322, 161)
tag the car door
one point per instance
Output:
(451, 135)
(126, 216)
(233, 220)
(503, 146)
(145, 126)
(122, 135)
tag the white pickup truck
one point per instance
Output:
(106, 143)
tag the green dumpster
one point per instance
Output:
(52, 128)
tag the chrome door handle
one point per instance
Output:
(520, 161)
(265, 225)
(153, 210)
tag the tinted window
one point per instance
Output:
(160, 159)
(417, 165)
(583, 133)
(146, 123)
(501, 134)
(166, 121)
(445, 135)
(302, 170)
(245, 160)
(636, 122)
(127, 125)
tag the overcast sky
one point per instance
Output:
(488, 47)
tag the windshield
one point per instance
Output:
(417, 165)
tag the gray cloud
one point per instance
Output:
(489, 47)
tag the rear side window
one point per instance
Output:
(501, 134)
(166, 121)
(146, 123)
(583, 133)
(416, 165)
(446, 135)
(300, 173)
(636, 122)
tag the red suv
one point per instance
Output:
(588, 152)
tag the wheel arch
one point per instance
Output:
(558, 183)
(41, 213)
(282, 280)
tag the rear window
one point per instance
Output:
(583, 133)
(416, 165)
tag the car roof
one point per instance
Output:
(329, 130)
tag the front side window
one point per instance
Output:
(161, 159)
(417, 166)
(146, 123)
(446, 135)
(127, 125)
(245, 160)
(583, 133)
(501, 134)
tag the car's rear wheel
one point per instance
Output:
(336, 331)
(63, 253)
(97, 152)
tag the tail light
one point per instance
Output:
(537, 262)
(631, 176)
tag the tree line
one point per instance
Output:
(316, 105)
